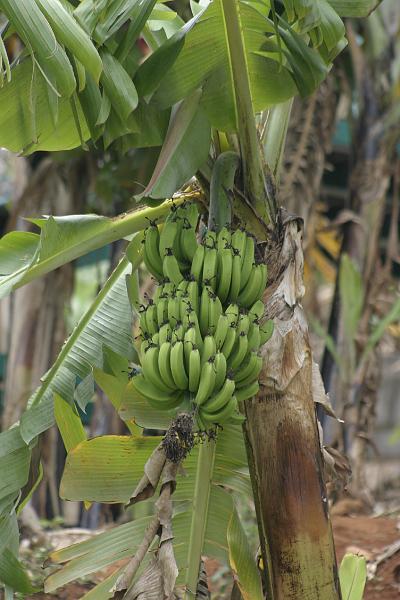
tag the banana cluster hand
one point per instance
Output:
(169, 254)
(202, 330)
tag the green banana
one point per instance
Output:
(209, 277)
(209, 349)
(239, 351)
(193, 295)
(190, 212)
(214, 312)
(181, 290)
(197, 264)
(204, 310)
(174, 311)
(194, 369)
(188, 241)
(223, 239)
(225, 265)
(232, 312)
(220, 370)
(221, 330)
(150, 267)
(239, 240)
(248, 367)
(158, 292)
(235, 278)
(192, 318)
(151, 318)
(164, 365)
(253, 375)
(250, 294)
(266, 331)
(189, 342)
(143, 347)
(207, 381)
(219, 400)
(243, 324)
(253, 336)
(154, 396)
(257, 310)
(264, 277)
(222, 415)
(177, 247)
(229, 342)
(151, 244)
(165, 333)
(162, 310)
(178, 332)
(247, 392)
(151, 371)
(169, 288)
(247, 263)
(171, 267)
(168, 234)
(143, 321)
(178, 366)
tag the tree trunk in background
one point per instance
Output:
(36, 312)
(368, 185)
(309, 139)
(283, 442)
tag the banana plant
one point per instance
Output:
(78, 81)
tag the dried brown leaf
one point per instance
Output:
(152, 473)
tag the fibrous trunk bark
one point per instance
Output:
(283, 442)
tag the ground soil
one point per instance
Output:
(360, 534)
(370, 536)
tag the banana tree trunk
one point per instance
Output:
(283, 442)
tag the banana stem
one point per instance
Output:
(205, 467)
(120, 227)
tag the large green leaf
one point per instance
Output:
(345, 8)
(134, 406)
(206, 61)
(68, 422)
(17, 252)
(13, 574)
(118, 86)
(107, 322)
(25, 114)
(354, 8)
(353, 576)
(184, 151)
(102, 19)
(107, 469)
(25, 256)
(148, 75)
(14, 468)
(40, 39)
(70, 33)
(96, 553)
(241, 560)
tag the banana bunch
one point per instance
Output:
(168, 253)
(224, 262)
(193, 350)
(201, 332)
